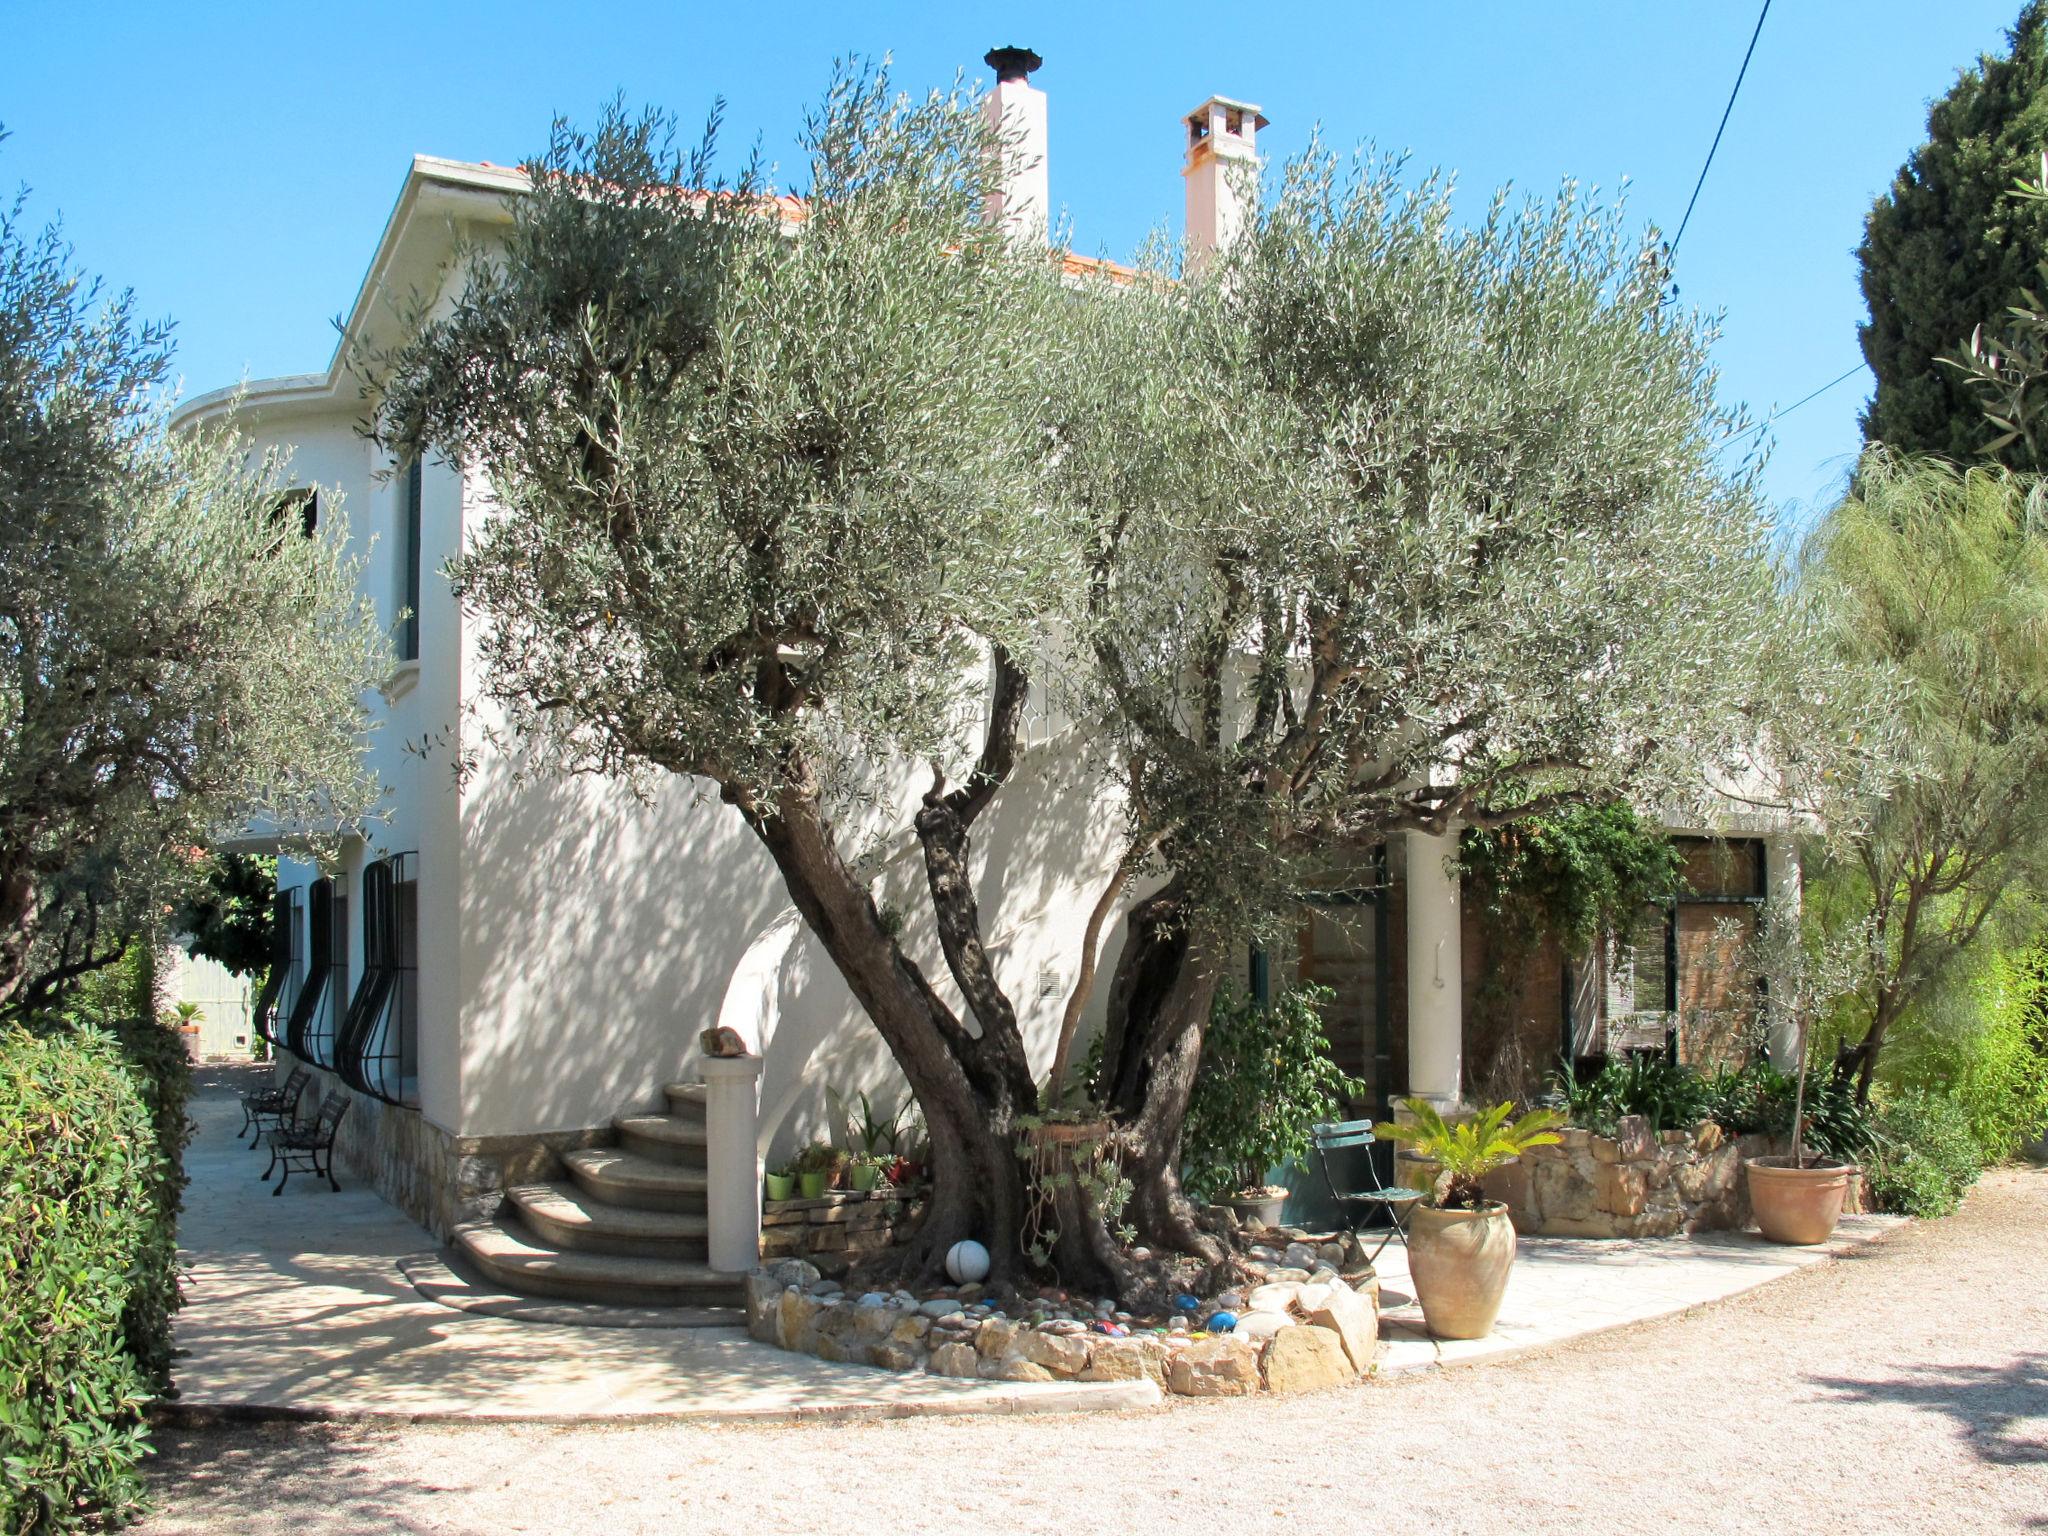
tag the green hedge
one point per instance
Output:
(92, 1123)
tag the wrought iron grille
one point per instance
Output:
(309, 1031)
(375, 1052)
(263, 1017)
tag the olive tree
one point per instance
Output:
(765, 468)
(1406, 526)
(175, 660)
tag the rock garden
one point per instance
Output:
(1307, 1319)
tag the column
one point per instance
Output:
(732, 1201)
(1436, 1004)
(1783, 887)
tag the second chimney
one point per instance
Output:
(1223, 137)
(1016, 111)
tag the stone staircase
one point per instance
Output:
(625, 1228)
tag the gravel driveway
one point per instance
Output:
(1903, 1388)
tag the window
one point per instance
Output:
(1679, 981)
(377, 1051)
(409, 563)
(297, 508)
(337, 957)
(295, 951)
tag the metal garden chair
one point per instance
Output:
(274, 1105)
(308, 1148)
(1358, 1204)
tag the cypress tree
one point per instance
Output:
(1947, 249)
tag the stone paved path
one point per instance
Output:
(1902, 1389)
(305, 1303)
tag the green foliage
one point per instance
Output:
(78, 1163)
(1266, 1080)
(818, 1157)
(162, 1072)
(1448, 492)
(1937, 577)
(1471, 1149)
(230, 918)
(1946, 249)
(1751, 1099)
(1925, 1156)
(1669, 1096)
(170, 660)
(1576, 874)
(1988, 1051)
(767, 489)
(870, 1132)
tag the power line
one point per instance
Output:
(1778, 416)
(1760, 15)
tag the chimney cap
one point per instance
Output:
(1012, 62)
(1230, 104)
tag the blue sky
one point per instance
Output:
(234, 163)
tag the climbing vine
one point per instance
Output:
(1572, 876)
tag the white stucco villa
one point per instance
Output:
(506, 976)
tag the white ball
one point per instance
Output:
(967, 1262)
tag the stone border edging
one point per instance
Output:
(1296, 1336)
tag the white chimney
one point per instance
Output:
(1016, 111)
(1223, 140)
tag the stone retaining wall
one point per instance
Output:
(839, 1227)
(1637, 1183)
(438, 1179)
(1295, 1336)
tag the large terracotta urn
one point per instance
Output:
(1459, 1261)
(1795, 1204)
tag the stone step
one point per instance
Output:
(676, 1139)
(563, 1215)
(685, 1099)
(617, 1176)
(515, 1258)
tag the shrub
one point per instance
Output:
(78, 1164)
(1752, 1099)
(163, 1074)
(1924, 1156)
(1266, 1079)
(1983, 1042)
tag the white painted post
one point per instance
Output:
(732, 1202)
(1781, 855)
(1436, 1002)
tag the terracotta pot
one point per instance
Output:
(1459, 1261)
(1264, 1209)
(1797, 1205)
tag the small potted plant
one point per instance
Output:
(781, 1183)
(864, 1172)
(187, 1016)
(817, 1168)
(1461, 1245)
(1266, 1081)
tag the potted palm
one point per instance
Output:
(1266, 1080)
(1461, 1245)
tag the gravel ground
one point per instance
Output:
(1904, 1388)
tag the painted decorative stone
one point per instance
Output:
(1222, 1322)
(967, 1261)
(1187, 1303)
